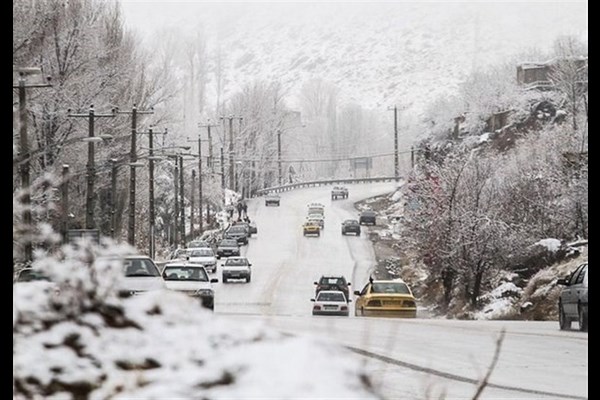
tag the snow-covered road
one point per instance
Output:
(409, 358)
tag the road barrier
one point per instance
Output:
(339, 181)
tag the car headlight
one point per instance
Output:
(205, 292)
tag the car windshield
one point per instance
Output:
(324, 296)
(351, 222)
(198, 243)
(140, 267)
(29, 275)
(237, 229)
(201, 253)
(333, 281)
(390, 287)
(182, 273)
(236, 261)
(229, 243)
(368, 213)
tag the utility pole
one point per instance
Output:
(200, 194)
(175, 224)
(152, 216)
(192, 206)
(132, 160)
(412, 157)
(24, 150)
(231, 149)
(279, 155)
(65, 201)
(222, 169)
(181, 199)
(396, 173)
(91, 162)
(113, 197)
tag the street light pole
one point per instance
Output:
(113, 197)
(175, 223)
(133, 159)
(91, 163)
(222, 169)
(24, 152)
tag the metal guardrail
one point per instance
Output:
(291, 186)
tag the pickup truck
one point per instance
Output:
(339, 191)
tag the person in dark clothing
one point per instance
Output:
(245, 209)
(240, 207)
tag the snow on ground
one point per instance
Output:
(553, 245)
(162, 344)
(500, 301)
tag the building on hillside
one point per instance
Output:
(540, 75)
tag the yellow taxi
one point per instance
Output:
(384, 298)
(311, 228)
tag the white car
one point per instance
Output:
(192, 280)
(236, 268)
(203, 256)
(140, 274)
(330, 302)
(318, 218)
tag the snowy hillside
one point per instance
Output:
(377, 54)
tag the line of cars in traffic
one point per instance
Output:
(389, 298)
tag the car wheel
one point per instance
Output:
(224, 279)
(563, 321)
(248, 279)
(355, 312)
(343, 233)
(362, 311)
(583, 319)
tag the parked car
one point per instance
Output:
(330, 302)
(351, 226)
(236, 268)
(333, 282)
(573, 300)
(205, 257)
(272, 198)
(311, 228)
(140, 274)
(192, 280)
(237, 232)
(36, 280)
(228, 248)
(367, 217)
(391, 298)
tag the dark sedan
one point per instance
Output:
(367, 217)
(351, 226)
(228, 248)
(237, 232)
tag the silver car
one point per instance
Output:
(192, 280)
(573, 301)
(330, 302)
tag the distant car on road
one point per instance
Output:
(311, 228)
(236, 268)
(330, 302)
(318, 218)
(178, 254)
(316, 208)
(237, 232)
(250, 227)
(192, 280)
(228, 248)
(204, 256)
(383, 298)
(351, 226)
(198, 244)
(573, 300)
(333, 282)
(339, 191)
(367, 217)
(273, 198)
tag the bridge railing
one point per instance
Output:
(325, 182)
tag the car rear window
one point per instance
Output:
(331, 297)
(390, 287)
(236, 261)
